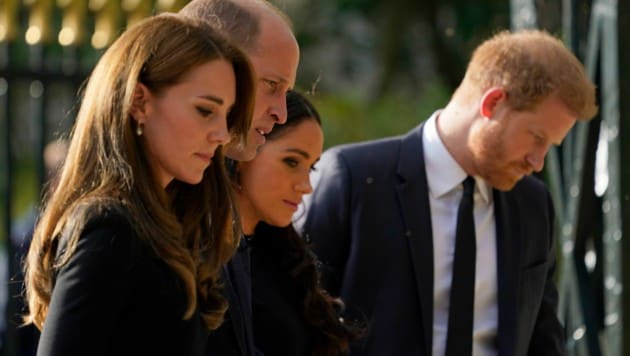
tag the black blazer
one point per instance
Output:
(369, 220)
(235, 336)
(115, 296)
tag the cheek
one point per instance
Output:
(261, 103)
(256, 178)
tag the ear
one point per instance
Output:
(490, 100)
(139, 105)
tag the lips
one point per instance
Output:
(292, 204)
(262, 132)
(207, 157)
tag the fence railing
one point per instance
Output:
(585, 176)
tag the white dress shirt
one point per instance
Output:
(444, 178)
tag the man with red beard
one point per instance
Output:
(441, 237)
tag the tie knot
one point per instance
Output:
(469, 186)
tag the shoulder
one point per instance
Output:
(103, 249)
(357, 158)
(112, 219)
(103, 231)
(358, 151)
(383, 151)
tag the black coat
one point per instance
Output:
(115, 296)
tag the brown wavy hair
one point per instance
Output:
(188, 226)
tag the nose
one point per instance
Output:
(278, 109)
(537, 159)
(304, 186)
(220, 134)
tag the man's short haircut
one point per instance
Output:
(530, 65)
(234, 21)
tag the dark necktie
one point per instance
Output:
(462, 299)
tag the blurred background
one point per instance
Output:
(374, 68)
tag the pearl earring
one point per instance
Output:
(139, 129)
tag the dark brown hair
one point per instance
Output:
(333, 334)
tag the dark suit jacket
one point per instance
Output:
(369, 220)
(235, 336)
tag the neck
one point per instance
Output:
(248, 220)
(453, 125)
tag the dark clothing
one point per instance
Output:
(235, 336)
(369, 220)
(279, 326)
(116, 297)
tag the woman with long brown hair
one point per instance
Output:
(126, 254)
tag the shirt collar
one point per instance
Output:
(444, 173)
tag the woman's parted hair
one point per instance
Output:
(299, 109)
(188, 226)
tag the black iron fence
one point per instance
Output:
(589, 182)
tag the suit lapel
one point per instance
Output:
(508, 272)
(413, 198)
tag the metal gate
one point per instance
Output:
(589, 183)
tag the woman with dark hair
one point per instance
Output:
(292, 314)
(126, 255)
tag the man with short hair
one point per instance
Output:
(265, 34)
(397, 233)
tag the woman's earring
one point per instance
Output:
(139, 129)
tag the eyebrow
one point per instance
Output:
(216, 99)
(299, 151)
(280, 79)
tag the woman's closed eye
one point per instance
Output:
(291, 162)
(204, 112)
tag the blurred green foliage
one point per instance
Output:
(347, 118)
(24, 191)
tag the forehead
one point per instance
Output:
(277, 52)
(215, 77)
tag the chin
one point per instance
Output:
(192, 179)
(281, 222)
(505, 184)
(243, 155)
